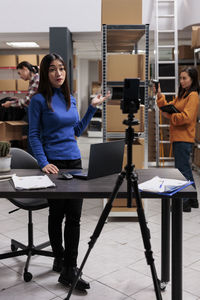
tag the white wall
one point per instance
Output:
(39, 15)
(188, 13)
(77, 15)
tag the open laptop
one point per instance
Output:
(104, 159)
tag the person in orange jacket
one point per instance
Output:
(183, 125)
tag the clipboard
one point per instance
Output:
(170, 109)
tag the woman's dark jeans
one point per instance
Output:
(182, 154)
(71, 210)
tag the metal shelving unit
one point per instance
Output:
(124, 39)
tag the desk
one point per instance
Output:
(102, 188)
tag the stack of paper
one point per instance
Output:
(6, 177)
(32, 182)
(163, 185)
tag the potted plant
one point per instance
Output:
(5, 157)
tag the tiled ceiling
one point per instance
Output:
(86, 44)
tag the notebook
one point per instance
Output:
(170, 109)
(104, 159)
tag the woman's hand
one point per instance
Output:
(159, 95)
(99, 99)
(7, 104)
(158, 92)
(50, 169)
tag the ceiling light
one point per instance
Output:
(23, 44)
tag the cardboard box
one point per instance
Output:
(96, 88)
(196, 157)
(8, 85)
(40, 57)
(7, 61)
(22, 85)
(138, 161)
(74, 86)
(121, 12)
(11, 130)
(121, 66)
(197, 136)
(31, 58)
(195, 37)
(185, 52)
(122, 202)
(115, 117)
(2, 131)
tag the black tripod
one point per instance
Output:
(132, 184)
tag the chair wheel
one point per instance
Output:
(13, 247)
(27, 276)
(163, 285)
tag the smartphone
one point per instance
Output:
(156, 83)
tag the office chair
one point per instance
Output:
(23, 160)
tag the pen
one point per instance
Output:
(161, 184)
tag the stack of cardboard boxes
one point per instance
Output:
(196, 155)
(123, 64)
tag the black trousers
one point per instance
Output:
(70, 210)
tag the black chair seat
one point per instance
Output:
(29, 203)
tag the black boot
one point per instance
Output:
(58, 264)
(194, 203)
(67, 277)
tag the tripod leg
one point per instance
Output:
(98, 229)
(145, 236)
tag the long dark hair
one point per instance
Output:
(192, 72)
(45, 88)
(30, 67)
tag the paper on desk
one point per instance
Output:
(32, 182)
(163, 185)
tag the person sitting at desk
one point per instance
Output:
(183, 124)
(54, 123)
(27, 72)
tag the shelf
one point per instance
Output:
(96, 119)
(95, 133)
(122, 38)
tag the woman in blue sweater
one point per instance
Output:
(53, 125)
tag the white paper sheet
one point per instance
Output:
(161, 185)
(32, 182)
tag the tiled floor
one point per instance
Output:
(116, 267)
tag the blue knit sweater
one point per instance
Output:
(52, 133)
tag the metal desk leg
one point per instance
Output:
(165, 243)
(177, 207)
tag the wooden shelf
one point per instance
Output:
(123, 40)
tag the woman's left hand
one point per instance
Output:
(99, 99)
